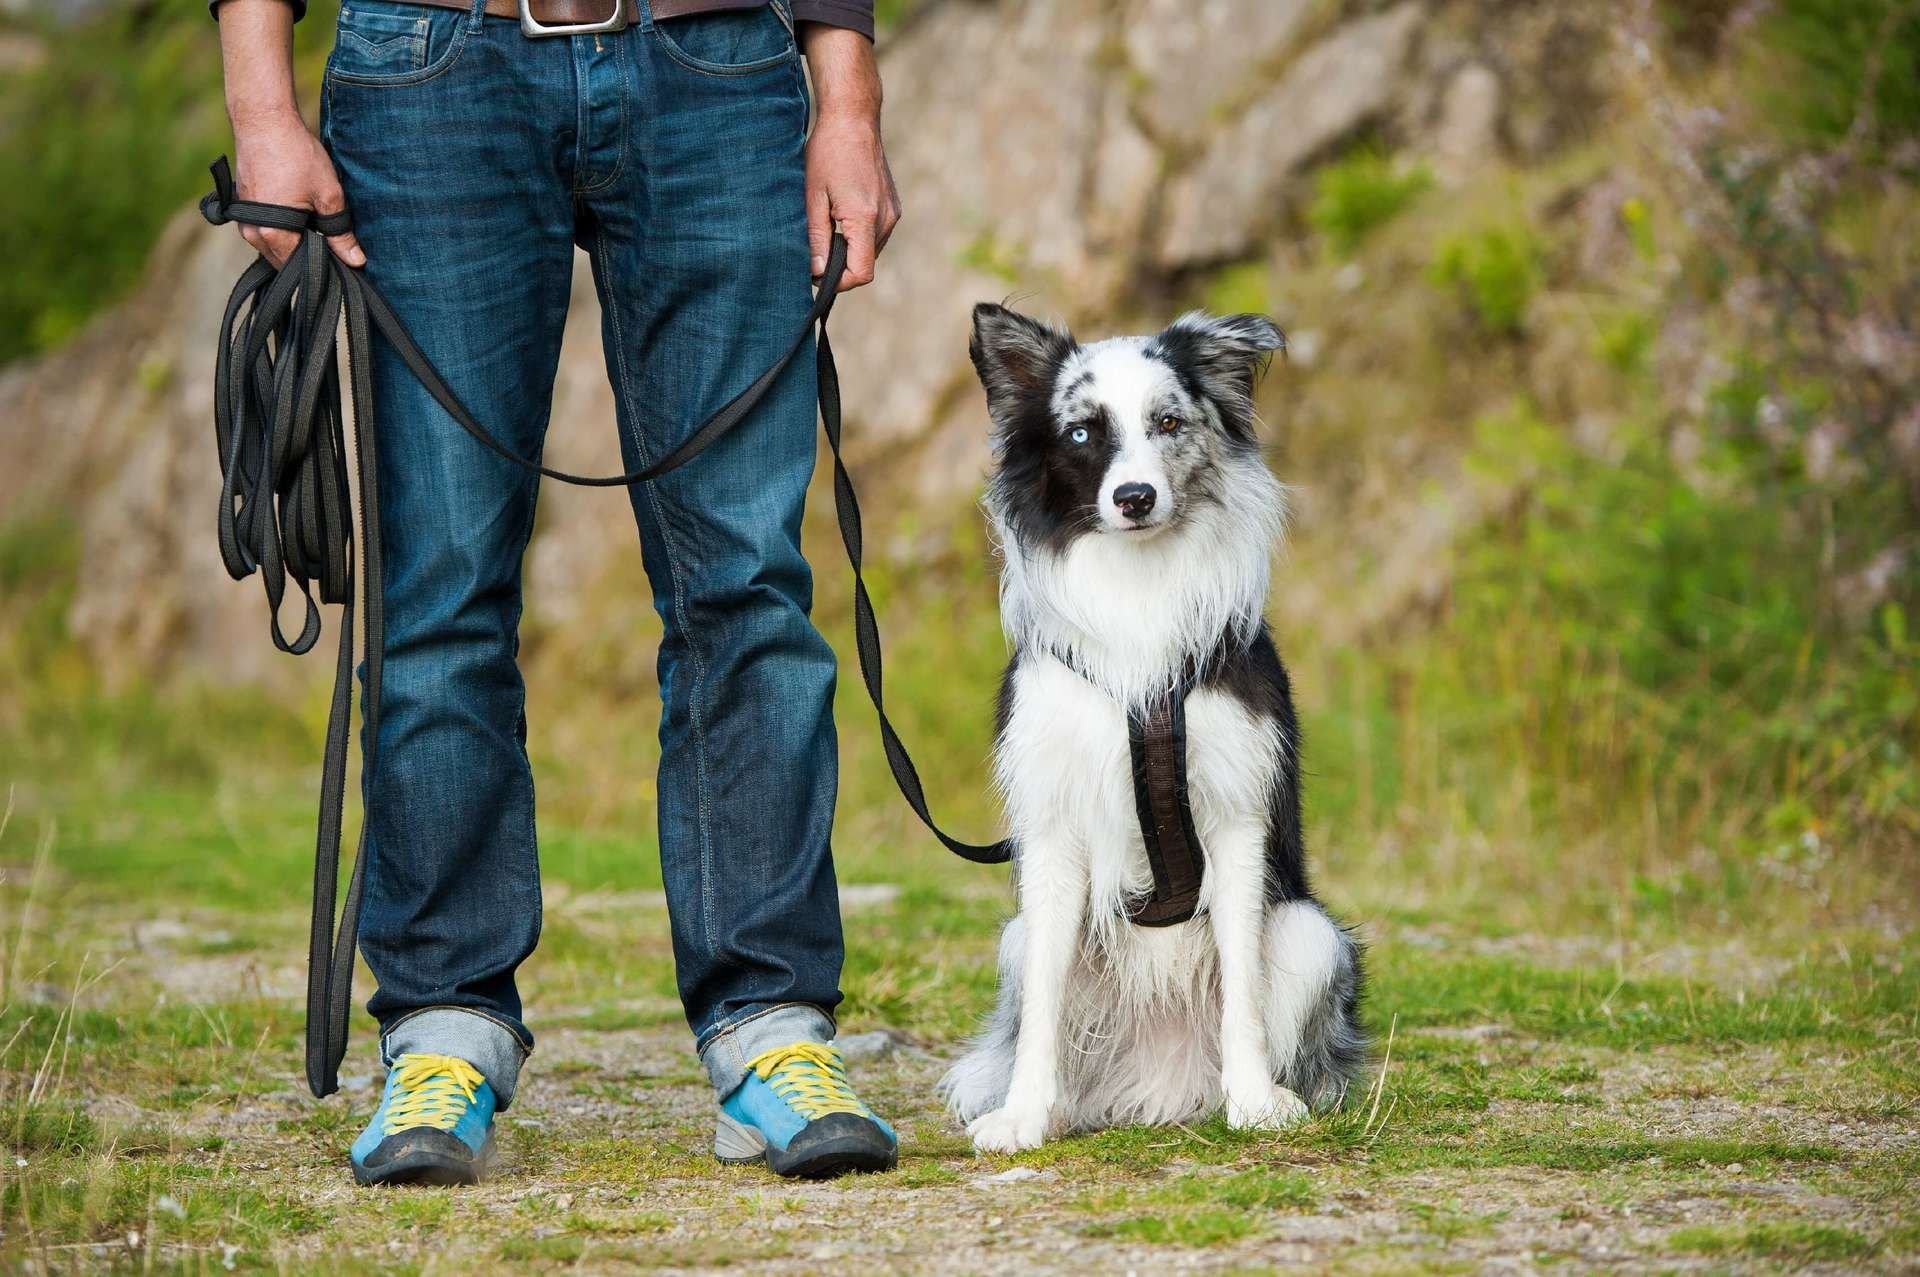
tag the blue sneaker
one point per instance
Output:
(434, 1125)
(797, 1112)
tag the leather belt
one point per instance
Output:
(557, 13)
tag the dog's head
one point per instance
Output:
(1123, 437)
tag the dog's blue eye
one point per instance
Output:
(1079, 434)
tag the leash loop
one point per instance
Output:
(286, 512)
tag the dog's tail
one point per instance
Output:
(1314, 1024)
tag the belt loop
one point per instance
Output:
(646, 13)
(478, 17)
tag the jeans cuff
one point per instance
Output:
(727, 1052)
(479, 1039)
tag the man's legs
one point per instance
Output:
(697, 229)
(443, 127)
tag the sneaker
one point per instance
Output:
(797, 1113)
(434, 1125)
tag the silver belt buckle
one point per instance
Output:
(532, 28)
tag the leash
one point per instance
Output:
(286, 512)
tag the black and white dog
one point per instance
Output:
(1136, 519)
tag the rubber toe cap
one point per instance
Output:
(423, 1156)
(834, 1145)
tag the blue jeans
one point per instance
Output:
(475, 160)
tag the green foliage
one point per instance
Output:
(1825, 67)
(1494, 272)
(1681, 611)
(991, 256)
(101, 145)
(1625, 340)
(1360, 193)
(1241, 288)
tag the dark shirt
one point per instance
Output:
(855, 15)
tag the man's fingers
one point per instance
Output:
(819, 228)
(275, 246)
(860, 253)
(328, 198)
(347, 249)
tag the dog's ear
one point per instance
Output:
(1224, 353)
(1015, 356)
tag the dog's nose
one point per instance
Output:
(1134, 499)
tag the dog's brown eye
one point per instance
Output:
(1170, 423)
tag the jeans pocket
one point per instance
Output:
(730, 41)
(391, 42)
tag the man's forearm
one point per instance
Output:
(849, 186)
(846, 79)
(256, 50)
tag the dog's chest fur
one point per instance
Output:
(1064, 766)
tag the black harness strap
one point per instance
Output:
(286, 512)
(1157, 736)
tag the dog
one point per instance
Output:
(1135, 520)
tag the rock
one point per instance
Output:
(1468, 130)
(993, 149)
(876, 1044)
(1197, 55)
(1217, 208)
(1126, 171)
(1014, 1175)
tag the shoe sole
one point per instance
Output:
(428, 1167)
(734, 1145)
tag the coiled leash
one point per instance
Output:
(285, 512)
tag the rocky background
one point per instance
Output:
(1088, 158)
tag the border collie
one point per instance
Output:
(1135, 520)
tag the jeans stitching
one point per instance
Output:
(620, 164)
(696, 694)
(411, 78)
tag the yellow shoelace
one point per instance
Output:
(809, 1076)
(431, 1090)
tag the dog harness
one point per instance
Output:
(1157, 746)
(1157, 741)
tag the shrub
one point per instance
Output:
(1359, 194)
(1817, 65)
(1494, 271)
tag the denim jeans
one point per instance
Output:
(475, 160)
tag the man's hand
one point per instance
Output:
(276, 159)
(849, 185)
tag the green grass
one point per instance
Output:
(1798, 1241)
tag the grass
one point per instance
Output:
(1514, 1085)
(1799, 1242)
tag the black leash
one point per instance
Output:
(285, 510)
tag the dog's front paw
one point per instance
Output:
(1268, 1109)
(1008, 1130)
